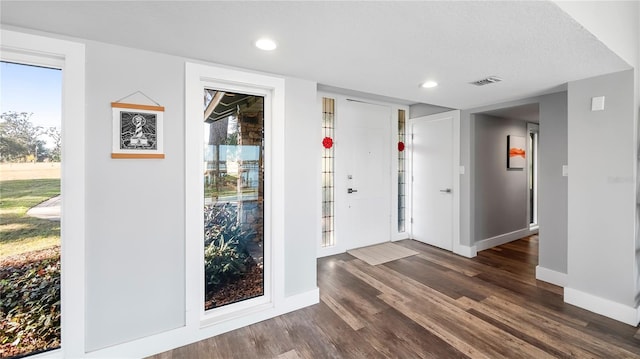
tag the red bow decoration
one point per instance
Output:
(327, 142)
(400, 146)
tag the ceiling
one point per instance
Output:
(386, 48)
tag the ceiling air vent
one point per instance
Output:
(487, 81)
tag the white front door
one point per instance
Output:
(363, 177)
(432, 189)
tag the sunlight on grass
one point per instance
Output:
(7, 228)
(21, 233)
(27, 245)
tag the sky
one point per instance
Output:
(32, 89)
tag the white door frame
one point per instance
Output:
(70, 57)
(458, 248)
(531, 161)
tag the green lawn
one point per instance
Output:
(18, 232)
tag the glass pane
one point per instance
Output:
(328, 119)
(401, 171)
(30, 143)
(233, 197)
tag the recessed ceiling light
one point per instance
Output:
(429, 84)
(266, 44)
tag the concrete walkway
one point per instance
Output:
(49, 209)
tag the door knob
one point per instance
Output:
(446, 190)
(351, 190)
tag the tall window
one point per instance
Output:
(401, 171)
(328, 124)
(30, 144)
(234, 197)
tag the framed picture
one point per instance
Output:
(137, 131)
(516, 152)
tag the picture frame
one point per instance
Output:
(516, 152)
(137, 131)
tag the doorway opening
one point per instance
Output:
(505, 191)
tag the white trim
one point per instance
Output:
(532, 161)
(504, 238)
(551, 276)
(197, 77)
(168, 340)
(456, 187)
(602, 306)
(465, 251)
(70, 56)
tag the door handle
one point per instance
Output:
(351, 190)
(446, 190)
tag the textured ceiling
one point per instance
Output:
(382, 48)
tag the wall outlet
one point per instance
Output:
(461, 170)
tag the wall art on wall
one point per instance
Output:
(516, 152)
(137, 131)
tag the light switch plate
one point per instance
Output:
(461, 170)
(565, 170)
(597, 103)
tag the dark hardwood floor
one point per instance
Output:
(432, 305)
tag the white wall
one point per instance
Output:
(302, 184)
(601, 222)
(500, 205)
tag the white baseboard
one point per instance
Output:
(551, 276)
(504, 238)
(602, 306)
(465, 251)
(301, 300)
(175, 338)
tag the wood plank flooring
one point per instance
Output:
(431, 305)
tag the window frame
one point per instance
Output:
(199, 77)
(69, 57)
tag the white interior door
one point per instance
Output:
(363, 174)
(432, 189)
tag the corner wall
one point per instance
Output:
(602, 156)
